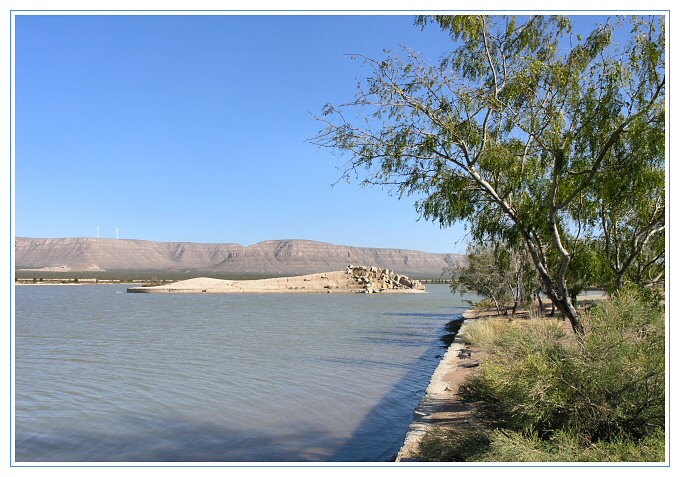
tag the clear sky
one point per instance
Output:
(196, 128)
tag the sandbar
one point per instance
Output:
(356, 279)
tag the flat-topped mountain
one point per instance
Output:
(268, 258)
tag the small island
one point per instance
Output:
(355, 279)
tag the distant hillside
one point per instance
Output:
(268, 258)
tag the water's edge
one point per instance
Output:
(95, 337)
(419, 424)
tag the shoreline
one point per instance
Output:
(356, 279)
(190, 291)
(441, 406)
(22, 284)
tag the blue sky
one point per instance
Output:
(195, 128)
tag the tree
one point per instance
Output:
(510, 131)
(499, 272)
(630, 211)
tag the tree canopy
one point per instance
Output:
(503, 274)
(526, 130)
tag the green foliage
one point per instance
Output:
(501, 273)
(610, 382)
(599, 396)
(585, 268)
(525, 131)
(507, 446)
(456, 445)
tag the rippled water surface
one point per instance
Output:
(104, 375)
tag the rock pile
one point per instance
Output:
(374, 279)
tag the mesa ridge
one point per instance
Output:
(271, 258)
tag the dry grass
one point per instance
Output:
(546, 393)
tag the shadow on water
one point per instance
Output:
(392, 412)
(413, 338)
(377, 438)
(452, 328)
(452, 316)
(168, 440)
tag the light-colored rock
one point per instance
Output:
(315, 283)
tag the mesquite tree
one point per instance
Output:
(511, 130)
(630, 211)
(503, 274)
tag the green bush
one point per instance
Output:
(624, 368)
(557, 396)
(454, 445)
(500, 445)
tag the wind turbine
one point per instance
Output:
(117, 230)
(97, 231)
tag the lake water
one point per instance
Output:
(105, 375)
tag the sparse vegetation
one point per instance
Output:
(502, 273)
(544, 394)
(156, 282)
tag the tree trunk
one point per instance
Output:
(619, 281)
(540, 303)
(562, 302)
(565, 305)
(498, 308)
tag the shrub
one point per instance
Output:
(624, 366)
(557, 396)
(454, 445)
(512, 396)
(461, 445)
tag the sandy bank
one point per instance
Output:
(356, 279)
